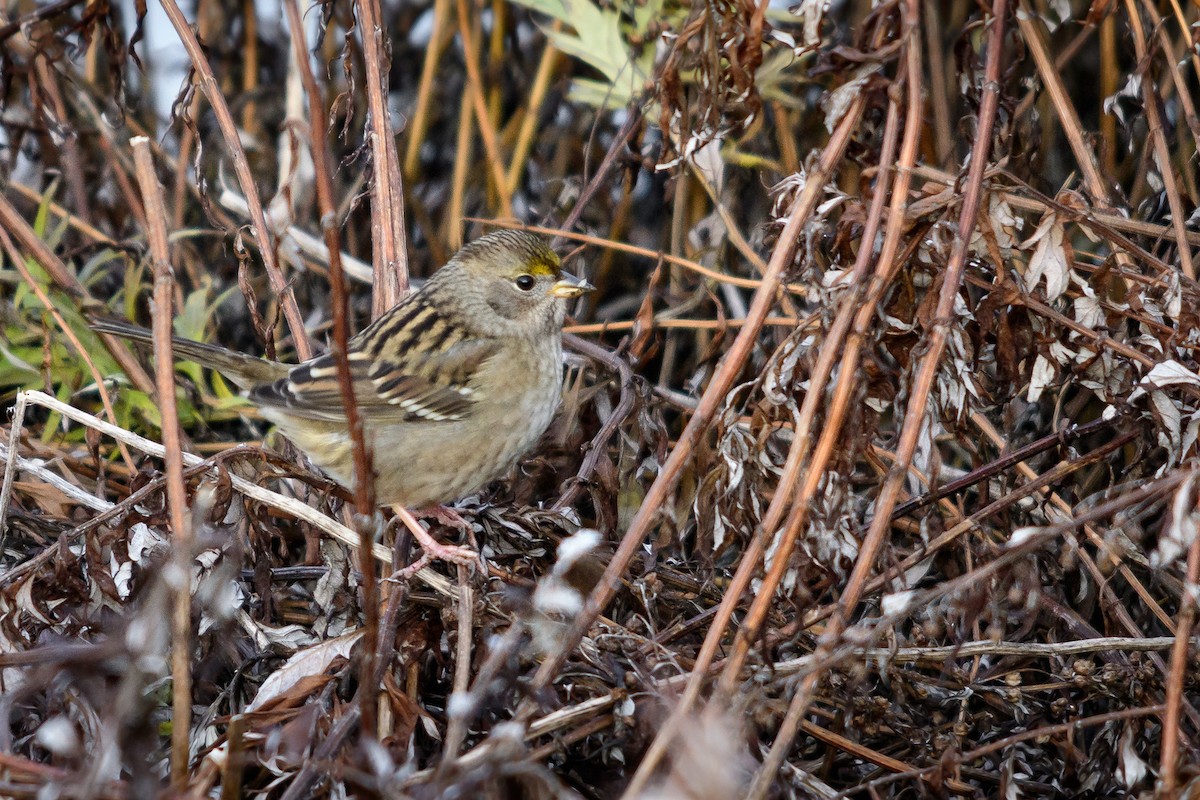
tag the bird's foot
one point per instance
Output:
(445, 515)
(434, 549)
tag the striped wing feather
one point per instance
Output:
(411, 364)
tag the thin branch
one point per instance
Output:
(917, 408)
(287, 505)
(181, 529)
(241, 167)
(389, 239)
(1168, 769)
(364, 478)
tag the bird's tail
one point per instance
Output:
(244, 370)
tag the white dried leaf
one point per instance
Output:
(1170, 420)
(1164, 374)
(287, 637)
(783, 37)
(430, 727)
(1062, 354)
(122, 575)
(826, 206)
(832, 277)
(1148, 341)
(1131, 89)
(836, 103)
(26, 604)
(143, 540)
(784, 192)
(1131, 769)
(810, 13)
(1022, 535)
(1012, 790)
(1191, 433)
(897, 602)
(1005, 222)
(963, 312)
(1052, 514)
(1058, 12)
(709, 162)
(957, 378)
(718, 532)
(916, 573)
(1040, 378)
(777, 386)
(1154, 178)
(1179, 535)
(1174, 296)
(329, 585)
(314, 660)
(207, 559)
(1102, 374)
(1088, 309)
(1049, 259)
(14, 678)
(1005, 226)
(220, 599)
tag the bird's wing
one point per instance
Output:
(412, 364)
(246, 371)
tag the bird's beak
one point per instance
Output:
(568, 286)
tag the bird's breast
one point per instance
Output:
(419, 463)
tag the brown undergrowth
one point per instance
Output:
(875, 472)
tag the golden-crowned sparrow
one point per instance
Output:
(453, 383)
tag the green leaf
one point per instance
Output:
(600, 40)
(223, 392)
(197, 312)
(54, 422)
(134, 272)
(43, 213)
(643, 15)
(144, 406)
(93, 269)
(192, 319)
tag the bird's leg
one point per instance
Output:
(433, 548)
(445, 515)
(412, 569)
(448, 517)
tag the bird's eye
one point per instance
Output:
(525, 282)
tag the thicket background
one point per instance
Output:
(883, 420)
